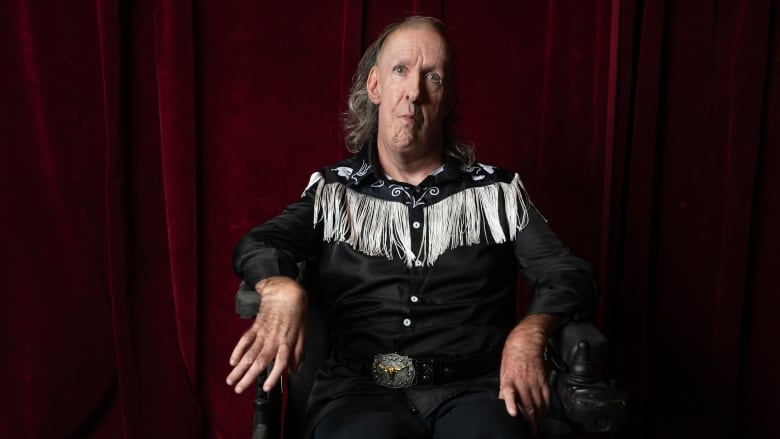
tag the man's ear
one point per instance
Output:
(372, 86)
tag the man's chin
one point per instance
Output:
(408, 141)
(404, 142)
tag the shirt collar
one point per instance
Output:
(367, 164)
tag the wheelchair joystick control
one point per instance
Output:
(583, 371)
(596, 405)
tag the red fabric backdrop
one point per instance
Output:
(696, 179)
(141, 139)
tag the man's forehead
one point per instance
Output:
(404, 38)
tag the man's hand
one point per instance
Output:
(277, 334)
(522, 381)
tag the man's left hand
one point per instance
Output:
(523, 385)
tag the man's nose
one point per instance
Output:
(415, 88)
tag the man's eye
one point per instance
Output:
(434, 77)
(399, 69)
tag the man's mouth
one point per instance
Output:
(409, 118)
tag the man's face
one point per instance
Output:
(408, 84)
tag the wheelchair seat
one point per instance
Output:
(579, 401)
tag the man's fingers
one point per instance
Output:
(243, 357)
(530, 416)
(298, 352)
(537, 400)
(529, 413)
(245, 341)
(251, 364)
(540, 395)
(513, 399)
(508, 395)
(282, 356)
(546, 398)
(254, 361)
(250, 375)
(529, 408)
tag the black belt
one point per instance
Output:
(400, 371)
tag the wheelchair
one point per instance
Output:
(580, 402)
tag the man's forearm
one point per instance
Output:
(544, 322)
(538, 327)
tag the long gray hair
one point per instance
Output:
(360, 120)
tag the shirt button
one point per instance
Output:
(416, 224)
(418, 263)
(414, 299)
(407, 322)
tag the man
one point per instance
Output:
(415, 248)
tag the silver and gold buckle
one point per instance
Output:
(393, 370)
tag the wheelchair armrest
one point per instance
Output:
(247, 302)
(566, 341)
(582, 397)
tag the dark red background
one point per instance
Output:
(141, 139)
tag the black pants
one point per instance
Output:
(475, 414)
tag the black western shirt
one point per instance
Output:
(418, 270)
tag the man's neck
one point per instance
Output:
(410, 169)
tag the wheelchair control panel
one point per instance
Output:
(596, 405)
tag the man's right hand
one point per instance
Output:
(276, 335)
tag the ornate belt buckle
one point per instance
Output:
(393, 370)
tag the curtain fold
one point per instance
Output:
(51, 202)
(115, 214)
(175, 80)
(634, 196)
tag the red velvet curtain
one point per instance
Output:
(696, 200)
(141, 139)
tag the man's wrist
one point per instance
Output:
(271, 285)
(541, 324)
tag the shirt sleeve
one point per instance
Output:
(276, 247)
(563, 283)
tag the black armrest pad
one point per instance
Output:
(247, 302)
(566, 339)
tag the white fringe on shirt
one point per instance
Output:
(378, 227)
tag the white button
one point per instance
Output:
(414, 299)
(416, 224)
(407, 322)
(418, 263)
